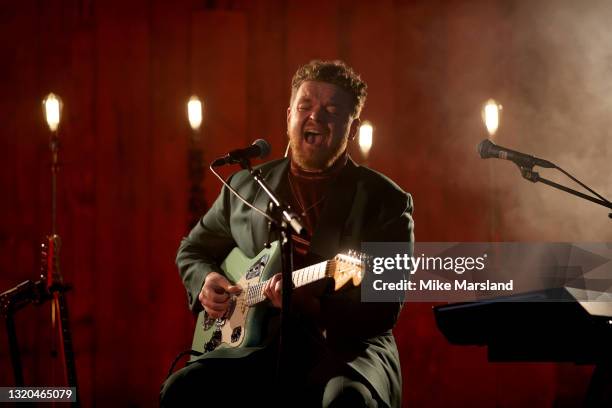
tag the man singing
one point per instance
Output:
(342, 352)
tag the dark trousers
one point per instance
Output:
(307, 381)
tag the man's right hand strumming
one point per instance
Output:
(216, 293)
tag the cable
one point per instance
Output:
(179, 356)
(240, 197)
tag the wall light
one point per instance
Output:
(366, 134)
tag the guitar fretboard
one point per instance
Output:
(301, 277)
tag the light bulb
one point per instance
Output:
(491, 115)
(53, 107)
(194, 112)
(366, 133)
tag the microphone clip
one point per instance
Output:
(529, 174)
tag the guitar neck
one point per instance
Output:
(300, 277)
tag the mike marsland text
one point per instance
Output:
(438, 285)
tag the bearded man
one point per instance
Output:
(342, 352)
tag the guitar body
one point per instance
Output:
(247, 323)
(243, 325)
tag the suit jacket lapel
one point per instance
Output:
(326, 239)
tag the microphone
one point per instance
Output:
(487, 149)
(259, 149)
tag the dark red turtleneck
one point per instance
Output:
(308, 194)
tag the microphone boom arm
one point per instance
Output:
(534, 177)
(525, 162)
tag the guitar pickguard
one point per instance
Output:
(242, 324)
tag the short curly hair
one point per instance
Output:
(333, 72)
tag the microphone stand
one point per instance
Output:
(599, 392)
(534, 177)
(50, 287)
(287, 223)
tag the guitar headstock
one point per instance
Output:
(347, 267)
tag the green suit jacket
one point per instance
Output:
(362, 206)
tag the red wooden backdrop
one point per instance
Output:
(125, 71)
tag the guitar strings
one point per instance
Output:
(255, 292)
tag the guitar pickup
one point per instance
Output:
(258, 267)
(236, 334)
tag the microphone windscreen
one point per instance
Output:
(264, 148)
(484, 148)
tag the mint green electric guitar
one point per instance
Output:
(245, 322)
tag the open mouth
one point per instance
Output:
(313, 137)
